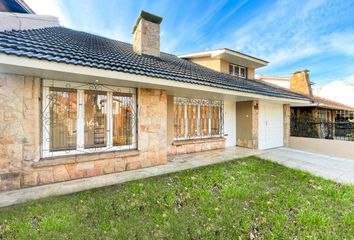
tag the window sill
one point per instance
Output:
(197, 141)
(60, 160)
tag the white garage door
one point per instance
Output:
(270, 125)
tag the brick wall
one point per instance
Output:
(20, 139)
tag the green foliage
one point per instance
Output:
(304, 125)
(351, 126)
(247, 198)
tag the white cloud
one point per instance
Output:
(286, 33)
(340, 91)
(342, 42)
(50, 7)
(349, 79)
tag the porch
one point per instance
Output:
(337, 169)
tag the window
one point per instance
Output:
(238, 71)
(63, 118)
(95, 118)
(86, 118)
(122, 108)
(197, 118)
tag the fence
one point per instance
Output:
(307, 126)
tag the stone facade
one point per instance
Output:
(146, 38)
(300, 83)
(286, 122)
(255, 122)
(191, 146)
(20, 124)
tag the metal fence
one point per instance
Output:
(306, 126)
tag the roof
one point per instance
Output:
(63, 45)
(324, 102)
(227, 54)
(320, 101)
(15, 6)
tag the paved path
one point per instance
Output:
(338, 169)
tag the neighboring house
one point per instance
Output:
(227, 61)
(283, 82)
(15, 6)
(17, 15)
(324, 118)
(76, 105)
(338, 91)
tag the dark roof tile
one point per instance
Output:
(63, 45)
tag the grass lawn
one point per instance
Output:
(247, 198)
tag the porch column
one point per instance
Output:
(255, 114)
(286, 123)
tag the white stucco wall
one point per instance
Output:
(230, 123)
(22, 21)
(280, 83)
(335, 148)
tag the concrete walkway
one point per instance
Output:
(341, 170)
(337, 169)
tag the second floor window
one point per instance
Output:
(238, 71)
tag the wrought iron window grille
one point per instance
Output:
(80, 118)
(198, 118)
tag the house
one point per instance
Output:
(324, 118)
(76, 105)
(338, 91)
(243, 67)
(15, 6)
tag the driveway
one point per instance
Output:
(337, 169)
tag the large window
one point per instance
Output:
(197, 118)
(238, 71)
(86, 118)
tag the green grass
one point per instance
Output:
(242, 199)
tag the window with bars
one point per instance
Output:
(238, 71)
(85, 118)
(197, 118)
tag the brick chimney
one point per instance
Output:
(300, 82)
(146, 34)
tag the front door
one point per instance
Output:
(270, 125)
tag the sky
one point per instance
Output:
(292, 35)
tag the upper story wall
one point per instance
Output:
(219, 65)
(214, 64)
